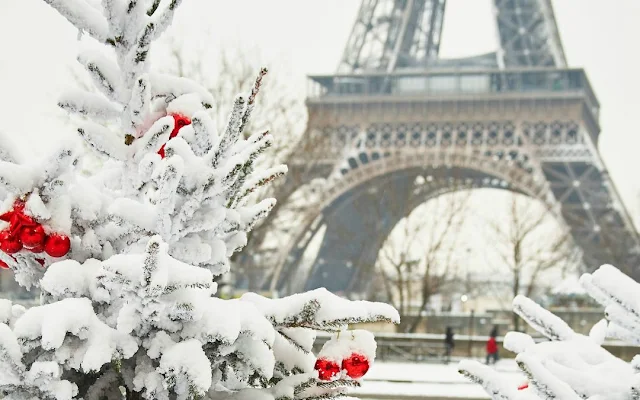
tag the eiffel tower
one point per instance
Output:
(517, 119)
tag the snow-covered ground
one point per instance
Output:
(413, 381)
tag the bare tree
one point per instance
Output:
(230, 71)
(419, 259)
(526, 245)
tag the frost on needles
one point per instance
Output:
(128, 311)
(568, 365)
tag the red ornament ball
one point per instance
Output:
(327, 369)
(523, 386)
(9, 243)
(57, 245)
(179, 121)
(356, 365)
(33, 237)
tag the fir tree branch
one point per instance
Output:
(164, 19)
(154, 6)
(83, 16)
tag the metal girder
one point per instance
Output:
(528, 34)
(394, 34)
(593, 211)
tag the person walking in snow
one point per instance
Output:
(492, 346)
(448, 344)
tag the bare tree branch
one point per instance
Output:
(418, 258)
(526, 247)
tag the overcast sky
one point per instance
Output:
(299, 37)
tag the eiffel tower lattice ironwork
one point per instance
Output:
(517, 119)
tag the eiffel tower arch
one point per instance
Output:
(397, 125)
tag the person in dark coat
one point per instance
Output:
(448, 344)
(492, 346)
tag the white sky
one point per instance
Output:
(300, 37)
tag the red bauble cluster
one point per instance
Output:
(179, 121)
(25, 233)
(356, 365)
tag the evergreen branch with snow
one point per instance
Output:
(570, 365)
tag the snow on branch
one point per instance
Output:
(163, 17)
(618, 287)
(104, 73)
(14, 178)
(541, 320)
(232, 130)
(71, 331)
(83, 16)
(189, 377)
(21, 179)
(102, 140)
(7, 152)
(490, 380)
(252, 98)
(86, 104)
(543, 381)
(572, 366)
(171, 87)
(140, 100)
(9, 312)
(321, 310)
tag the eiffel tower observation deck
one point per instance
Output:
(518, 119)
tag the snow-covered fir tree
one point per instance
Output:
(568, 365)
(126, 260)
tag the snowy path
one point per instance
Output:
(405, 381)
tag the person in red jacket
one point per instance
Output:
(492, 346)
